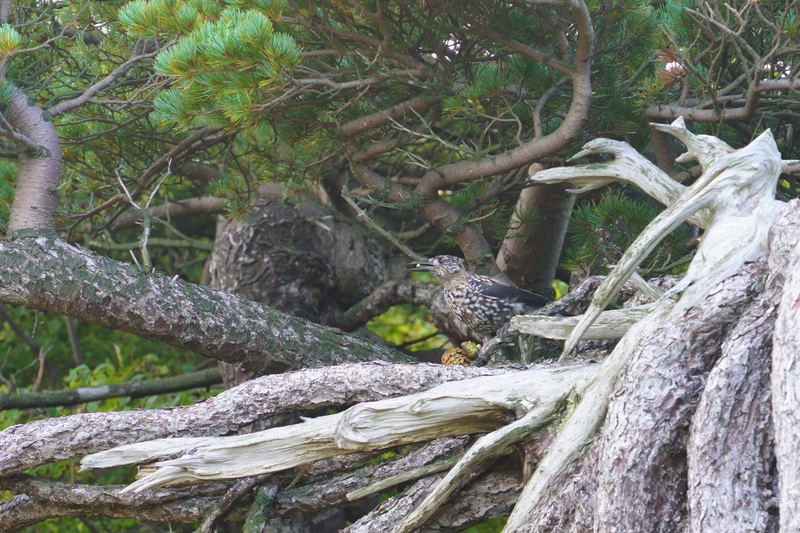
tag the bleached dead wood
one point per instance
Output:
(738, 188)
(42, 441)
(628, 166)
(473, 406)
(610, 325)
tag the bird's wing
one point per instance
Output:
(493, 289)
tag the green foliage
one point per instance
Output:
(8, 179)
(108, 357)
(9, 40)
(494, 525)
(281, 78)
(601, 231)
(222, 64)
(407, 325)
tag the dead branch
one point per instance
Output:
(41, 441)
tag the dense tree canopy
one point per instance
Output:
(244, 181)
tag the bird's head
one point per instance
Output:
(441, 266)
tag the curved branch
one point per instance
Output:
(527, 51)
(436, 210)
(383, 117)
(726, 114)
(87, 95)
(539, 147)
(389, 294)
(36, 196)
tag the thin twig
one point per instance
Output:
(362, 215)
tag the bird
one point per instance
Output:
(483, 303)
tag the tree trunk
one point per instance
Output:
(35, 198)
(531, 250)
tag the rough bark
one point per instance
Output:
(55, 439)
(786, 371)
(488, 496)
(569, 506)
(51, 275)
(730, 449)
(39, 500)
(642, 463)
(369, 479)
(297, 255)
(450, 409)
(640, 441)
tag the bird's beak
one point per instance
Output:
(420, 266)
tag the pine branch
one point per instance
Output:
(101, 85)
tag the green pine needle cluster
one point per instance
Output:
(226, 63)
(601, 231)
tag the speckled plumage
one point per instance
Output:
(483, 303)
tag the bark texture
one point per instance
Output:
(51, 275)
(642, 463)
(730, 450)
(530, 251)
(786, 368)
(39, 500)
(297, 255)
(490, 496)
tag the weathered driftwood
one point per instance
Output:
(610, 325)
(447, 410)
(628, 166)
(736, 186)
